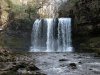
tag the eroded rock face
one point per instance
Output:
(12, 26)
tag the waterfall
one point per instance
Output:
(51, 35)
(64, 34)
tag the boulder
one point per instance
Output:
(63, 59)
(32, 68)
(73, 65)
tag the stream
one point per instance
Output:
(68, 63)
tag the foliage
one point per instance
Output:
(21, 10)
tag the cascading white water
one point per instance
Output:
(51, 35)
(64, 34)
(35, 35)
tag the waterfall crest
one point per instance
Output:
(51, 35)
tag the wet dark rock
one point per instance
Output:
(63, 60)
(73, 65)
(80, 62)
(22, 65)
(15, 66)
(32, 68)
(64, 55)
(22, 68)
(39, 73)
(79, 57)
(97, 55)
(14, 63)
(90, 69)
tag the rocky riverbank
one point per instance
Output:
(25, 63)
(12, 63)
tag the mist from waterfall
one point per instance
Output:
(51, 35)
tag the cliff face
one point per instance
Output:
(16, 23)
(81, 10)
(85, 16)
(17, 17)
(19, 9)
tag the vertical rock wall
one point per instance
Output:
(86, 23)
